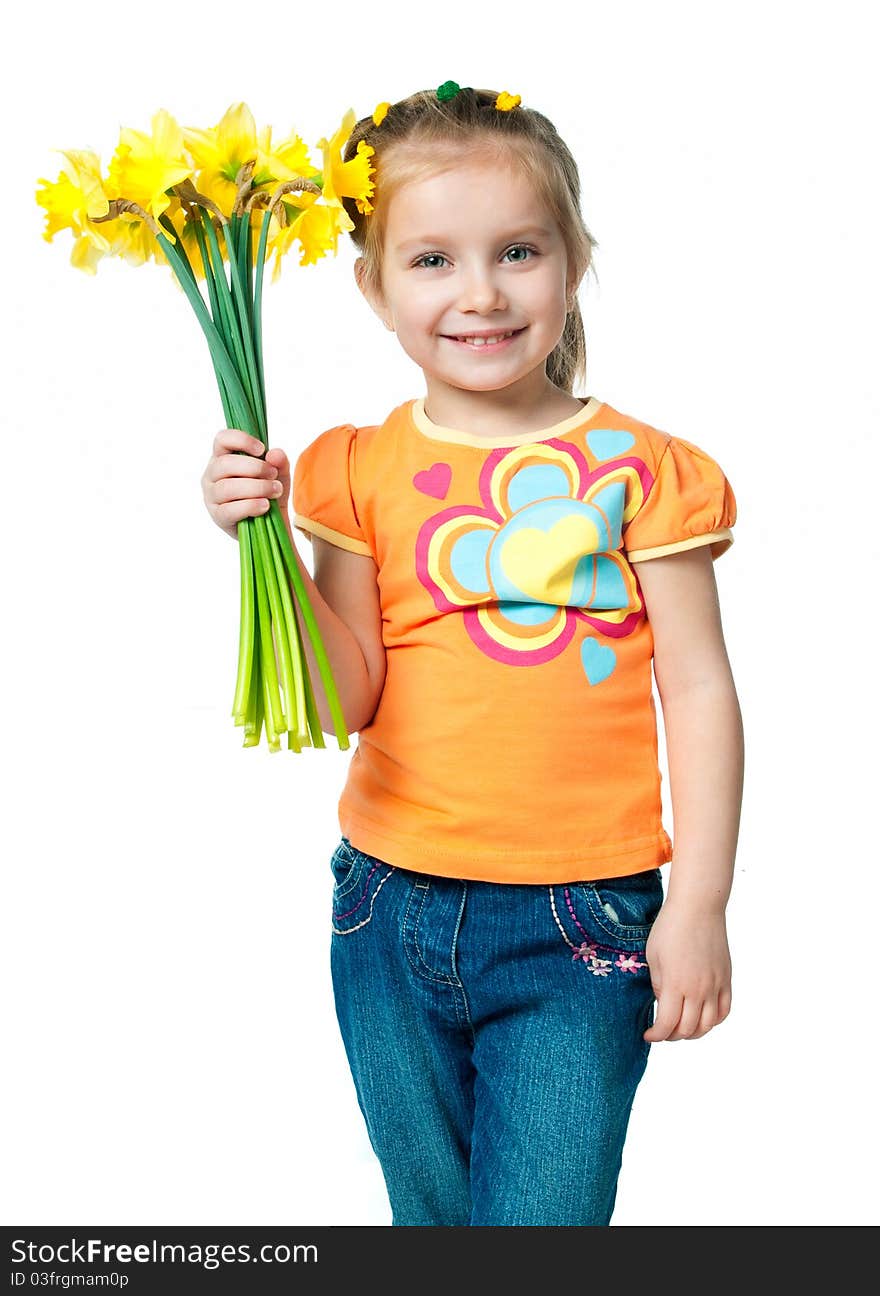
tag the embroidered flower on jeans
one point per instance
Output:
(600, 966)
(585, 951)
(628, 962)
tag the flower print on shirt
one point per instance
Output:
(540, 555)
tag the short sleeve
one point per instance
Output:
(323, 498)
(690, 503)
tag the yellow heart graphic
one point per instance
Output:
(542, 563)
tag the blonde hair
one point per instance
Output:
(421, 136)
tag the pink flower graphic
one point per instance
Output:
(585, 951)
(539, 554)
(628, 962)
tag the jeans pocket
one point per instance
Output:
(344, 867)
(625, 908)
(358, 879)
(606, 923)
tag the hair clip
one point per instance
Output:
(448, 90)
(380, 112)
(506, 101)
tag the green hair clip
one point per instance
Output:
(448, 90)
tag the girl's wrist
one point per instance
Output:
(698, 896)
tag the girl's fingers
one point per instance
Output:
(689, 1020)
(236, 452)
(228, 515)
(708, 1018)
(277, 458)
(666, 1018)
(238, 465)
(235, 464)
(235, 439)
(230, 489)
(239, 481)
(678, 1017)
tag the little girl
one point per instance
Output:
(495, 565)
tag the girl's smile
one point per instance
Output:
(486, 345)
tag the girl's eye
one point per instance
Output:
(517, 247)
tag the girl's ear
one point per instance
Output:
(360, 274)
(377, 303)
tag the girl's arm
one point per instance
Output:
(687, 951)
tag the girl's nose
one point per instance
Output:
(479, 292)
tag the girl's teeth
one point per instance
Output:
(485, 341)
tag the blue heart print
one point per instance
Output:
(598, 660)
(607, 443)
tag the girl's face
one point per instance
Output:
(472, 250)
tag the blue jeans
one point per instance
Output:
(494, 1034)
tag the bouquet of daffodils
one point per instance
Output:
(212, 205)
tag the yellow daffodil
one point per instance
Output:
(145, 166)
(84, 168)
(71, 200)
(219, 154)
(285, 162)
(317, 227)
(347, 179)
(135, 241)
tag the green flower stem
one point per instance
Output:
(255, 311)
(230, 326)
(286, 719)
(267, 647)
(238, 240)
(239, 226)
(227, 324)
(305, 607)
(311, 705)
(254, 721)
(216, 312)
(183, 259)
(271, 731)
(258, 296)
(292, 655)
(244, 319)
(312, 716)
(216, 343)
(246, 627)
(216, 315)
(247, 245)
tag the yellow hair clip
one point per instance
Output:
(380, 112)
(506, 101)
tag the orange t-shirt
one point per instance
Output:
(515, 739)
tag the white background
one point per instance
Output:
(172, 1051)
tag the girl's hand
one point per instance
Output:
(689, 961)
(237, 486)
